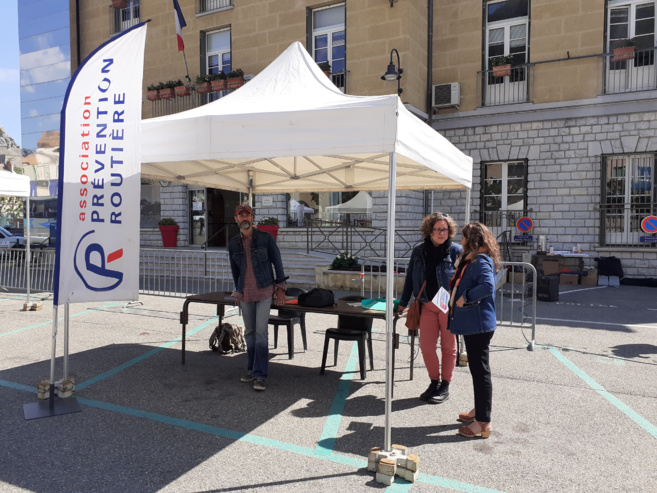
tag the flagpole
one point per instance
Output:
(186, 69)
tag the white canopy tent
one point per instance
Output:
(360, 204)
(291, 129)
(15, 185)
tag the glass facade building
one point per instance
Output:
(45, 72)
(45, 67)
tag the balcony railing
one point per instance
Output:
(123, 19)
(631, 72)
(203, 6)
(499, 88)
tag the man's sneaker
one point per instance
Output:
(247, 377)
(259, 384)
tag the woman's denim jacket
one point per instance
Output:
(478, 290)
(264, 253)
(415, 273)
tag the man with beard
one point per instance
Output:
(254, 257)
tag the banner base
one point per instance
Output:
(54, 406)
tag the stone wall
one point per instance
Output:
(564, 159)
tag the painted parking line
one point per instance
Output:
(621, 406)
(582, 289)
(60, 319)
(329, 434)
(136, 360)
(357, 463)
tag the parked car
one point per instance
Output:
(9, 240)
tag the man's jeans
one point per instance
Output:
(256, 334)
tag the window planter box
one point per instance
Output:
(167, 93)
(235, 82)
(625, 53)
(153, 95)
(502, 70)
(219, 85)
(204, 88)
(182, 91)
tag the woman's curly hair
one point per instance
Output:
(428, 223)
(478, 238)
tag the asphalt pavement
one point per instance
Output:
(577, 414)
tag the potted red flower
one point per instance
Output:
(119, 4)
(169, 230)
(270, 225)
(235, 78)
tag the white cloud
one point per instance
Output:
(9, 75)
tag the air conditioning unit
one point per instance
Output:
(446, 95)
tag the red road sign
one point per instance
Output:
(525, 224)
(649, 224)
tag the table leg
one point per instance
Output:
(412, 351)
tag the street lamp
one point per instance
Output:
(392, 73)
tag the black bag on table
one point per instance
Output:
(317, 298)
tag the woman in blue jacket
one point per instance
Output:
(472, 315)
(433, 261)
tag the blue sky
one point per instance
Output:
(10, 110)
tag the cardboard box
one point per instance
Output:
(550, 266)
(568, 279)
(516, 277)
(591, 279)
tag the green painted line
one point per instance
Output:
(620, 405)
(17, 386)
(329, 434)
(49, 322)
(136, 360)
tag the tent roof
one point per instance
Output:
(14, 185)
(361, 203)
(291, 129)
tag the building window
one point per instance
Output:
(504, 193)
(328, 41)
(123, 19)
(507, 25)
(633, 20)
(218, 56)
(628, 196)
(149, 204)
(203, 6)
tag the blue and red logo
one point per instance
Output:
(90, 264)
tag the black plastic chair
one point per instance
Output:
(289, 318)
(350, 328)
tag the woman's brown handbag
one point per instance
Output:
(413, 315)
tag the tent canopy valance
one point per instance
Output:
(14, 185)
(291, 129)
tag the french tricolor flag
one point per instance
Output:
(180, 23)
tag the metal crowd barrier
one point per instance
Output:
(513, 297)
(14, 275)
(162, 272)
(181, 273)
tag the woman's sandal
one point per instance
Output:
(466, 418)
(468, 433)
